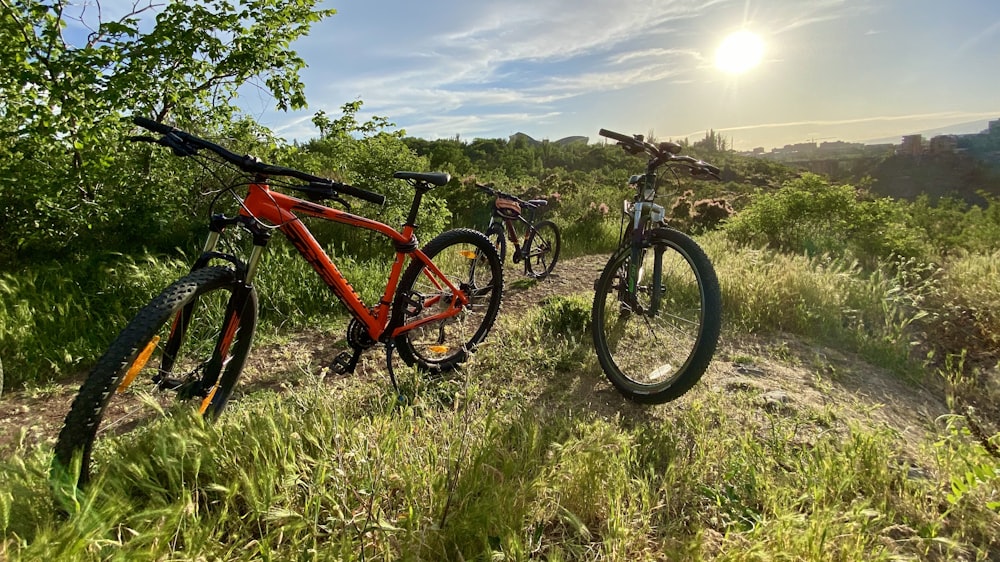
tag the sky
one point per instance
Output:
(853, 70)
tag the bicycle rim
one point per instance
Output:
(470, 263)
(654, 352)
(542, 249)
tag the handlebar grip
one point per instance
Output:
(152, 125)
(617, 136)
(362, 194)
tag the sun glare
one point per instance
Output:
(739, 52)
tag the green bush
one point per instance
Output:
(809, 216)
(567, 316)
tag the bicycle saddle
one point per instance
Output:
(435, 178)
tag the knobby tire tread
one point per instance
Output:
(80, 428)
(500, 243)
(708, 336)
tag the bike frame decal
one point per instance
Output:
(138, 364)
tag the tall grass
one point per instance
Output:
(824, 297)
(508, 461)
(580, 238)
(480, 471)
(56, 320)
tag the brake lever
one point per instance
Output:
(631, 148)
(342, 201)
(177, 145)
(696, 172)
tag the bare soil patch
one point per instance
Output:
(778, 374)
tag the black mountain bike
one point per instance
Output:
(542, 240)
(657, 306)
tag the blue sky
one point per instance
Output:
(855, 70)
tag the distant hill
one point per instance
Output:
(562, 142)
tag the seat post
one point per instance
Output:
(419, 189)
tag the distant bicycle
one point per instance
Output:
(657, 306)
(542, 239)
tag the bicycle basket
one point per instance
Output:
(507, 208)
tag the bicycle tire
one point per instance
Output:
(418, 296)
(655, 357)
(542, 249)
(181, 313)
(498, 238)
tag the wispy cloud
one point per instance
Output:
(816, 12)
(950, 116)
(443, 67)
(979, 37)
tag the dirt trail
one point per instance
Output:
(781, 374)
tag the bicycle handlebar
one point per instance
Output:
(621, 138)
(666, 153)
(490, 190)
(186, 144)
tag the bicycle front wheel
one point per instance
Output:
(498, 238)
(655, 341)
(470, 262)
(200, 327)
(542, 249)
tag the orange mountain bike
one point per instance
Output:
(191, 341)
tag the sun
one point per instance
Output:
(739, 52)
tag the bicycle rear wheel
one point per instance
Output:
(470, 262)
(542, 249)
(201, 325)
(655, 349)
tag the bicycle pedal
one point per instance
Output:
(168, 383)
(345, 362)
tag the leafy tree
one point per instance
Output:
(366, 154)
(64, 169)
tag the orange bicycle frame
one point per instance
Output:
(279, 209)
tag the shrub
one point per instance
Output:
(807, 215)
(565, 316)
(700, 215)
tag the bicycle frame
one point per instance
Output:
(637, 216)
(509, 229)
(279, 209)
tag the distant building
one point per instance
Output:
(572, 140)
(912, 145)
(943, 144)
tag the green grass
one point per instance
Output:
(823, 297)
(526, 457)
(478, 470)
(582, 238)
(56, 320)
